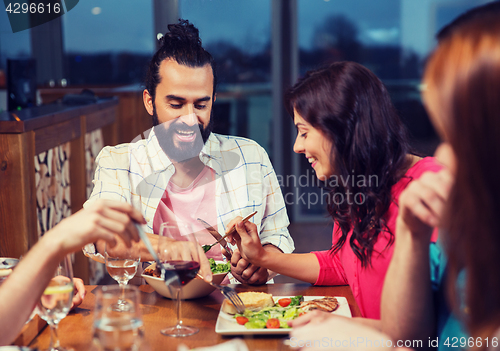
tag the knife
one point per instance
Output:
(217, 237)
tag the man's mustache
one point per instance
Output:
(187, 130)
(184, 128)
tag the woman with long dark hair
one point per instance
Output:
(351, 134)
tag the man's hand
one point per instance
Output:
(179, 250)
(246, 272)
(246, 261)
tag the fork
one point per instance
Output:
(231, 231)
(230, 294)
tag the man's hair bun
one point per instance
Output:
(182, 31)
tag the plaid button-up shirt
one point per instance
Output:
(139, 172)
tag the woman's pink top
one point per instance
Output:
(345, 268)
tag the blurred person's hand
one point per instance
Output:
(105, 220)
(313, 317)
(422, 203)
(337, 333)
(79, 292)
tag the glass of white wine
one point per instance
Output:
(118, 330)
(122, 267)
(56, 300)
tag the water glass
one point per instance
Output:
(122, 267)
(56, 300)
(117, 330)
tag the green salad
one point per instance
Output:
(219, 267)
(285, 309)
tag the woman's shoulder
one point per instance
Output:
(419, 167)
(426, 164)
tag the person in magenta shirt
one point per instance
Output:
(345, 268)
(358, 147)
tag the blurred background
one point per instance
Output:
(261, 47)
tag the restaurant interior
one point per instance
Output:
(73, 85)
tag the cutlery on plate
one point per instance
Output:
(230, 294)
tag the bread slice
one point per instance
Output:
(254, 301)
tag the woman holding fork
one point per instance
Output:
(354, 140)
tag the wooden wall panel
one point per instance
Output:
(52, 136)
(78, 180)
(18, 227)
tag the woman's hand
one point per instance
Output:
(247, 239)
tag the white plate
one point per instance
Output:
(226, 323)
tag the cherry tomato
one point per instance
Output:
(241, 320)
(273, 323)
(284, 301)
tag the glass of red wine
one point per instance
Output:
(178, 250)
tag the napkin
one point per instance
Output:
(232, 345)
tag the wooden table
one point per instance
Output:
(75, 331)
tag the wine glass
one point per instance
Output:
(56, 300)
(178, 250)
(117, 330)
(122, 267)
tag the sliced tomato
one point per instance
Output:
(284, 301)
(241, 320)
(273, 323)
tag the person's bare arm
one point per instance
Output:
(22, 289)
(407, 306)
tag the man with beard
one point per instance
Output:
(182, 171)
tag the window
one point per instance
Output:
(108, 42)
(238, 35)
(390, 37)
